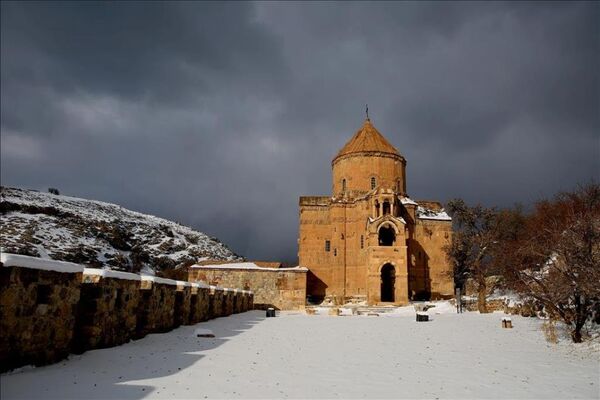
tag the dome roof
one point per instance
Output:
(367, 139)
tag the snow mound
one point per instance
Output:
(98, 234)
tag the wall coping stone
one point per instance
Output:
(248, 266)
(200, 285)
(108, 273)
(18, 260)
(156, 279)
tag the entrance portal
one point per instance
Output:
(388, 280)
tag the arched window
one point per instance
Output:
(376, 209)
(398, 187)
(362, 242)
(343, 185)
(373, 182)
(387, 236)
(386, 207)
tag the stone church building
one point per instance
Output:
(369, 241)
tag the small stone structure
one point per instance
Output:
(49, 309)
(280, 288)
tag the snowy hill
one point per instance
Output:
(98, 234)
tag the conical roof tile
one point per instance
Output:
(367, 139)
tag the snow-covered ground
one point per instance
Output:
(301, 356)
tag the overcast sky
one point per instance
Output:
(220, 116)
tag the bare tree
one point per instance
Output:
(472, 245)
(557, 261)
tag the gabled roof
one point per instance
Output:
(367, 139)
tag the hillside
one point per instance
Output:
(98, 234)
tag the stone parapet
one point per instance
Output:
(37, 311)
(106, 314)
(199, 303)
(49, 309)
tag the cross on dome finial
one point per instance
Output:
(367, 111)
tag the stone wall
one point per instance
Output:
(106, 315)
(37, 314)
(228, 299)
(216, 302)
(281, 288)
(49, 309)
(199, 304)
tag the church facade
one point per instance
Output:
(369, 241)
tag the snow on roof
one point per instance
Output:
(17, 260)
(408, 200)
(246, 265)
(108, 273)
(425, 213)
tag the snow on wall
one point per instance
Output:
(107, 273)
(247, 266)
(17, 260)
(425, 213)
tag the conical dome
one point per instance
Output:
(367, 139)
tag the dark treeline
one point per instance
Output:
(550, 255)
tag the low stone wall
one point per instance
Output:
(281, 288)
(156, 311)
(106, 315)
(199, 304)
(183, 304)
(49, 309)
(228, 299)
(215, 309)
(238, 299)
(37, 311)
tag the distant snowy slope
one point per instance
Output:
(98, 234)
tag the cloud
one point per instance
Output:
(219, 115)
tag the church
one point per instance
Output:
(369, 241)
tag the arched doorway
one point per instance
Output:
(387, 236)
(388, 282)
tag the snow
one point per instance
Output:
(59, 227)
(107, 273)
(425, 213)
(408, 200)
(156, 279)
(245, 265)
(146, 270)
(301, 356)
(16, 260)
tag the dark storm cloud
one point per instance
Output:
(219, 115)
